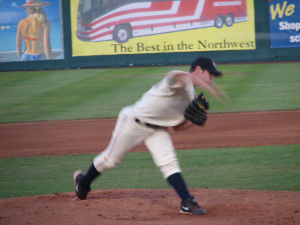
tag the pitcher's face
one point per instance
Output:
(207, 76)
(204, 75)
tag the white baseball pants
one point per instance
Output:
(127, 134)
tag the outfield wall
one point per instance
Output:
(257, 47)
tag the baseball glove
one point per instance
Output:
(196, 110)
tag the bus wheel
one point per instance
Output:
(219, 21)
(229, 20)
(122, 33)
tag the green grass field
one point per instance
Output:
(251, 168)
(101, 93)
(97, 93)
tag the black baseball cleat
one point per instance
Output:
(190, 206)
(80, 191)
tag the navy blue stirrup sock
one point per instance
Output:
(91, 175)
(177, 182)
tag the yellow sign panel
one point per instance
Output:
(101, 27)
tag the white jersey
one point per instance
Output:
(164, 103)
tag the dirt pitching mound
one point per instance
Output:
(153, 207)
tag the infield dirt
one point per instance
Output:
(155, 207)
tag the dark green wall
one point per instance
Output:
(263, 51)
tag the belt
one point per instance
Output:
(153, 126)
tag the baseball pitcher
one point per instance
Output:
(172, 103)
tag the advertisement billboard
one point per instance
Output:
(284, 23)
(102, 27)
(30, 30)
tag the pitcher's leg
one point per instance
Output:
(163, 153)
(161, 147)
(126, 135)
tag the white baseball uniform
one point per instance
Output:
(163, 105)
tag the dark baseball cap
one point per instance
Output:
(206, 64)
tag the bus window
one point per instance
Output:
(92, 9)
(88, 10)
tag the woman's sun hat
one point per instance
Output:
(35, 3)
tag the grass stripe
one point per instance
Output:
(260, 87)
(252, 168)
(101, 93)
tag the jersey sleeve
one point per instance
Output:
(177, 79)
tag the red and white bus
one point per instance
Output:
(120, 20)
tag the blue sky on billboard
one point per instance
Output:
(10, 11)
